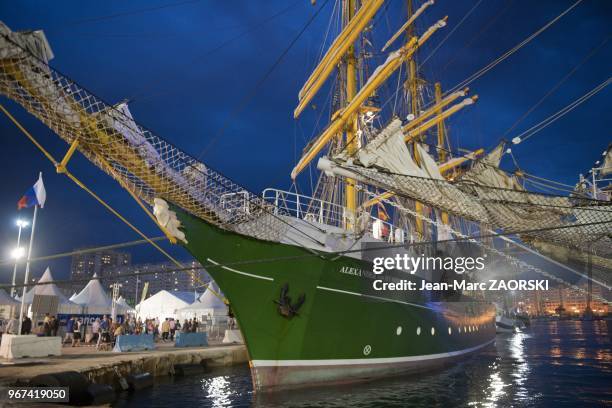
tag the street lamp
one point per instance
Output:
(22, 223)
(18, 252)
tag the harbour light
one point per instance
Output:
(17, 253)
(22, 223)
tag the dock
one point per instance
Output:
(106, 367)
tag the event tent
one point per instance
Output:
(207, 304)
(8, 305)
(123, 307)
(6, 299)
(93, 298)
(65, 305)
(164, 304)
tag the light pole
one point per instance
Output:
(18, 252)
(115, 295)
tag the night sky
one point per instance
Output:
(166, 57)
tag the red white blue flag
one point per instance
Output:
(36, 195)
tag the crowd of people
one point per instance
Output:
(11, 326)
(103, 331)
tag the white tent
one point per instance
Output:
(65, 305)
(164, 304)
(6, 299)
(9, 307)
(93, 298)
(73, 296)
(207, 304)
(123, 307)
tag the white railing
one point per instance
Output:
(324, 212)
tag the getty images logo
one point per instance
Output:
(412, 264)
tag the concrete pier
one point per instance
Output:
(104, 367)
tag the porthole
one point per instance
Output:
(398, 331)
(367, 350)
(419, 331)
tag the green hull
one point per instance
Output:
(339, 334)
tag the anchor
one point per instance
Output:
(285, 307)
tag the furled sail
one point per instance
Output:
(388, 151)
(428, 164)
(435, 109)
(408, 23)
(486, 171)
(336, 51)
(378, 77)
(414, 131)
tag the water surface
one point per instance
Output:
(552, 364)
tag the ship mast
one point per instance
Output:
(411, 83)
(412, 86)
(352, 143)
(441, 139)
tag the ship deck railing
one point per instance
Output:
(319, 211)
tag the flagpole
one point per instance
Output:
(27, 270)
(13, 290)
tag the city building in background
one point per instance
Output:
(85, 265)
(160, 276)
(570, 301)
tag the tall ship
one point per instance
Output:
(296, 269)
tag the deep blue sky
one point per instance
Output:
(185, 93)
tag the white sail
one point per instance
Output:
(428, 164)
(388, 151)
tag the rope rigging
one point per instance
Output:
(139, 96)
(122, 14)
(559, 114)
(557, 85)
(508, 53)
(249, 96)
(451, 32)
(79, 183)
(7, 262)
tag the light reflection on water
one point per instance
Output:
(559, 363)
(219, 390)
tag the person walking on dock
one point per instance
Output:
(26, 326)
(104, 328)
(69, 333)
(165, 329)
(47, 325)
(172, 325)
(54, 326)
(12, 326)
(95, 330)
(76, 333)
